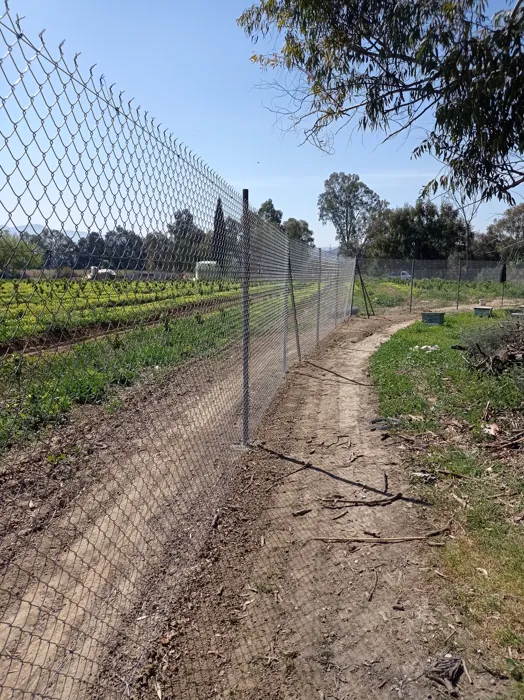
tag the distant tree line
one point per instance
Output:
(176, 249)
(296, 229)
(366, 225)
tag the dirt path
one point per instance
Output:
(104, 518)
(277, 614)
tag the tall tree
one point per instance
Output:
(387, 64)
(187, 239)
(423, 232)
(91, 250)
(124, 249)
(268, 213)
(509, 230)
(468, 209)
(17, 254)
(348, 203)
(298, 230)
(159, 252)
(60, 249)
(219, 241)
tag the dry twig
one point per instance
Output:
(341, 376)
(386, 540)
(337, 503)
(341, 515)
(372, 592)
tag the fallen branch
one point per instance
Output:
(285, 476)
(337, 504)
(281, 455)
(341, 376)
(406, 437)
(505, 494)
(467, 672)
(519, 437)
(385, 540)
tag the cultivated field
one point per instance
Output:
(386, 293)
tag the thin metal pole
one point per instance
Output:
(285, 314)
(245, 315)
(336, 291)
(349, 298)
(318, 292)
(458, 282)
(369, 300)
(411, 285)
(294, 306)
(364, 296)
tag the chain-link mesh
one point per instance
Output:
(144, 308)
(422, 283)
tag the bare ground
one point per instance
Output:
(157, 529)
(272, 612)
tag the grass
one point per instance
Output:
(37, 391)
(439, 385)
(40, 390)
(484, 562)
(386, 293)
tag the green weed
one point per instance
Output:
(484, 562)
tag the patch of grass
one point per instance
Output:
(37, 391)
(386, 293)
(484, 562)
(438, 385)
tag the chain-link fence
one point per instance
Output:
(148, 317)
(422, 283)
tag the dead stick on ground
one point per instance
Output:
(341, 376)
(385, 540)
(371, 593)
(341, 515)
(345, 466)
(386, 484)
(280, 455)
(519, 437)
(281, 478)
(466, 672)
(448, 473)
(460, 500)
(342, 503)
(449, 637)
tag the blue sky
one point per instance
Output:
(188, 64)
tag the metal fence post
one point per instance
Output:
(352, 298)
(336, 291)
(318, 292)
(294, 307)
(458, 282)
(411, 285)
(285, 313)
(245, 316)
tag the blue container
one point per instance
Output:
(433, 318)
(483, 310)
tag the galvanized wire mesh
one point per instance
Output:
(422, 283)
(142, 305)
